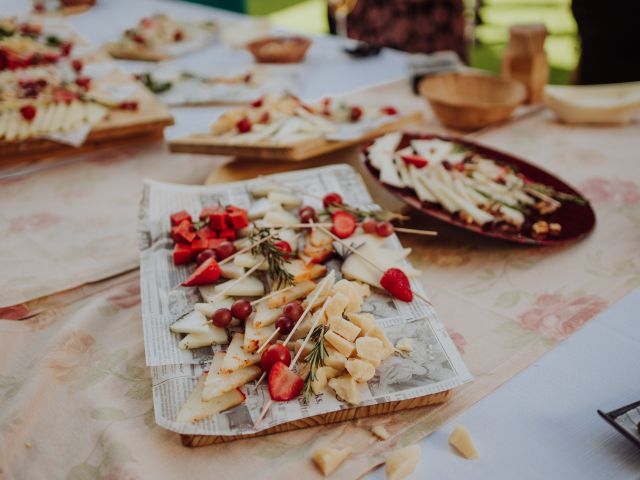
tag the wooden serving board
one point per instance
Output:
(324, 419)
(148, 121)
(209, 144)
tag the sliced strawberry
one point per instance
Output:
(228, 234)
(389, 110)
(284, 385)
(207, 273)
(396, 282)
(181, 253)
(238, 220)
(178, 217)
(205, 233)
(344, 224)
(218, 220)
(415, 160)
(184, 232)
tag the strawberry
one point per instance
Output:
(218, 220)
(205, 233)
(284, 384)
(415, 160)
(178, 217)
(206, 212)
(395, 282)
(332, 198)
(181, 253)
(228, 234)
(197, 246)
(243, 125)
(344, 224)
(257, 103)
(207, 273)
(389, 110)
(183, 232)
(356, 113)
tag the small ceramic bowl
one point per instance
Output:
(471, 100)
(279, 49)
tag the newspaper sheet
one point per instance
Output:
(434, 365)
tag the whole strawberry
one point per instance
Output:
(395, 282)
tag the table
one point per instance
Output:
(79, 404)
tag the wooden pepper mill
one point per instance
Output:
(525, 60)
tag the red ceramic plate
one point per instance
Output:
(576, 220)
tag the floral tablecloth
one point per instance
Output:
(75, 397)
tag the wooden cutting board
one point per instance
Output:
(209, 144)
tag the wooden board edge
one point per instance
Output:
(324, 419)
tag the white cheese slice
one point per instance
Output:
(280, 217)
(236, 358)
(266, 316)
(255, 337)
(192, 322)
(208, 309)
(215, 336)
(195, 409)
(401, 463)
(435, 150)
(231, 270)
(220, 383)
(260, 208)
(284, 199)
(247, 287)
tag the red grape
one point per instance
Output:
(273, 354)
(284, 324)
(241, 309)
(224, 250)
(369, 225)
(293, 310)
(307, 214)
(205, 254)
(384, 229)
(331, 198)
(221, 317)
(282, 246)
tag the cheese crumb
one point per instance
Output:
(401, 463)
(28, 444)
(460, 439)
(405, 345)
(380, 432)
(328, 459)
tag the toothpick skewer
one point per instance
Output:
(272, 294)
(430, 233)
(368, 260)
(246, 249)
(236, 280)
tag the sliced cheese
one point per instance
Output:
(323, 375)
(285, 199)
(236, 357)
(265, 316)
(255, 337)
(346, 388)
(195, 409)
(296, 292)
(231, 270)
(208, 309)
(192, 322)
(401, 463)
(280, 217)
(220, 383)
(347, 330)
(361, 370)
(247, 287)
(302, 272)
(343, 346)
(214, 336)
(328, 459)
(249, 260)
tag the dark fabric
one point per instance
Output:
(416, 26)
(609, 38)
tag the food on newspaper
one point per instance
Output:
(52, 99)
(269, 299)
(26, 44)
(286, 119)
(159, 36)
(478, 190)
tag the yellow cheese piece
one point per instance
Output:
(347, 330)
(346, 388)
(405, 345)
(361, 370)
(387, 346)
(343, 346)
(401, 463)
(195, 408)
(365, 321)
(460, 439)
(328, 459)
(370, 349)
(336, 305)
(335, 359)
(323, 375)
(380, 432)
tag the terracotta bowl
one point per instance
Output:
(471, 100)
(279, 49)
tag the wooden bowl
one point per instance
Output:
(279, 49)
(470, 100)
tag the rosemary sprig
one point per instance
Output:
(276, 258)
(314, 359)
(153, 84)
(553, 193)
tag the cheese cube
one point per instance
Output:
(370, 349)
(344, 328)
(361, 370)
(323, 375)
(336, 305)
(401, 463)
(380, 432)
(405, 345)
(328, 459)
(346, 388)
(460, 439)
(365, 321)
(387, 346)
(345, 347)
(353, 294)
(335, 359)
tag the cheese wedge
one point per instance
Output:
(220, 383)
(208, 309)
(460, 439)
(280, 217)
(214, 336)
(328, 459)
(361, 370)
(285, 199)
(265, 316)
(236, 357)
(302, 272)
(255, 337)
(347, 330)
(231, 270)
(370, 349)
(380, 432)
(346, 388)
(401, 463)
(365, 321)
(260, 208)
(195, 409)
(247, 287)
(329, 281)
(343, 346)
(248, 260)
(193, 322)
(298, 291)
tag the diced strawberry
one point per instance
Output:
(344, 224)
(243, 125)
(184, 232)
(415, 160)
(197, 246)
(284, 385)
(207, 273)
(181, 253)
(206, 212)
(238, 219)
(218, 220)
(178, 217)
(228, 234)
(389, 110)
(205, 233)
(395, 282)
(214, 243)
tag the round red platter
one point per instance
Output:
(576, 220)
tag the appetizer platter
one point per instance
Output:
(277, 304)
(160, 37)
(58, 104)
(225, 87)
(479, 189)
(286, 128)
